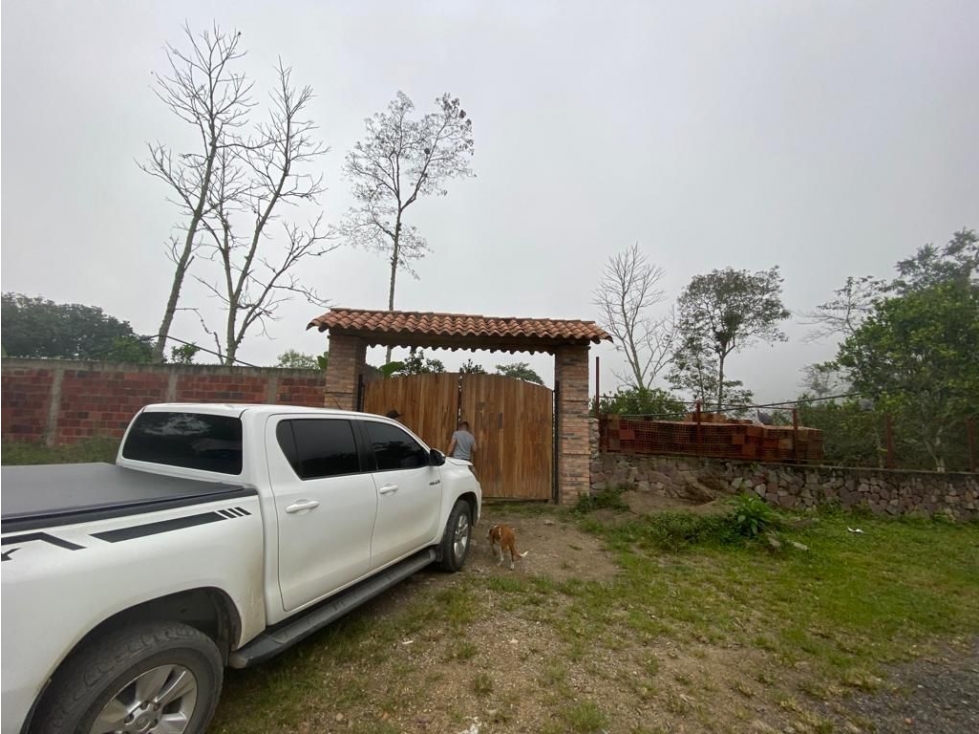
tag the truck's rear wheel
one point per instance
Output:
(162, 678)
(457, 538)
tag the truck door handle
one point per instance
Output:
(388, 488)
(302, 506)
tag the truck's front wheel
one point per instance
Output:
(152, 679)
(457, 537)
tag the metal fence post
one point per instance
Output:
(795, 435)
(696, 414)
(889, 439)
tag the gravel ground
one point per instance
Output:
(934, 695)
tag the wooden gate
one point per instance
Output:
(511, 419)
(428, 404)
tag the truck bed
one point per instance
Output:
(62, 494)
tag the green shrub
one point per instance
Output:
(751, 516)
(674, 531)
(641, 401)
(748, 519)
(605, 499)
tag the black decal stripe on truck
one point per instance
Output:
(28, 537)
(155, 528)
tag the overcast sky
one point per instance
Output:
(830, 138)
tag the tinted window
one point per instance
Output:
(319, 448)
(191, 440)
(395, 449)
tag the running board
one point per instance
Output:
(273, 641)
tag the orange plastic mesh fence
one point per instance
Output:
(735, 440)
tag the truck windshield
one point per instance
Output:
(191, 440)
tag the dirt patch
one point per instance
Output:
(554, 548)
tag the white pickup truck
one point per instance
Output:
(222, 535)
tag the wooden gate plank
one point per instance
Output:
(428, 404)
(512, 422)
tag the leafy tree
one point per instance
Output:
(418, 364)
(296, 360)
(908, 348)
(471, 368)
(916, 355)
(39, 328)
(695, 372)
(723, 312)
(519, 371)
(625, 297)
(852, 435)
(956, 262)
(640, 401)
(401, 159)
(130, 348)
(389, 369)
(184, 354)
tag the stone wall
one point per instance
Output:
(882, 491)
(61, 401)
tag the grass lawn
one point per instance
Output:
(712, 636)
(91, 450)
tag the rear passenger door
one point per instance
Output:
(324, 504)
(409, 493)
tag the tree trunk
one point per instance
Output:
(395, 252)
(936, 451)
(720, 383)
(178, 281)
(164, 331)
(232, 343)
(185, 257)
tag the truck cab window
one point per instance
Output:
(395, 449)
(319, 448)
(189, 440)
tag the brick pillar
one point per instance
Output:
(347, 361)
(574, 454)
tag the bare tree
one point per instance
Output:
(627, 292)
(203, 90)
(252, 182)
(399, 160)
(841, 315)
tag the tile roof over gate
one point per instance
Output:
(458, 331)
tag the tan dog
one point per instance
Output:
(504, 537)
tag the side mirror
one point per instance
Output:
(436, 458)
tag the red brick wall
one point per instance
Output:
(101, 402)
(231, 388)
(26, 397)
(300, 390)
(98, 399)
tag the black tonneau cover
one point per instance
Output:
(61, 494)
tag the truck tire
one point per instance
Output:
(132, 680)
(457, 538)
